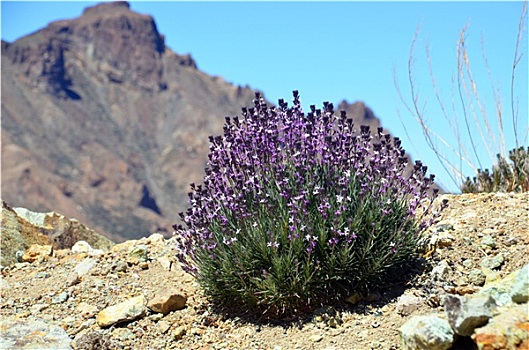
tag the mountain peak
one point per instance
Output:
(106, 7)
(126, 45)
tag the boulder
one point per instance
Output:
(507, 330)
(465, 313)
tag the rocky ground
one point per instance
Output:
(72, 297)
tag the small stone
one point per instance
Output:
(179, 332)
(492, 262)
(86, 310)
(407, 304)
(163, 326)
(85, 266)
(167, 300)
(465, 313)
(94, 339)
(156, 317)
(42, 274)
(120, 266)
(333, 323)
(511, 241)
(72, 279)
(467, 263)
(38, 308)
(122, 334)
(36, 251)
(488, 242)
(444, 239)
(138, 254)
(84, 247)
(477, 277)
(165, 262)
(440, 271)
(426, 333)
(59, 299)
(126, 311)
(316, 338)
(18, 255)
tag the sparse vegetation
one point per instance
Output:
(470, 123)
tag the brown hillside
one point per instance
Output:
(104, 123)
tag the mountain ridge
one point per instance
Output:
(104, 123)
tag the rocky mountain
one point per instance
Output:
(104, 123)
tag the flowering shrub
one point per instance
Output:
(300, 209)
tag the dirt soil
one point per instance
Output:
(471, 230)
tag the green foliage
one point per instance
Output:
(298, 210)
(505, 176)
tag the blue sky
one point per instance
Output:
(331, 51)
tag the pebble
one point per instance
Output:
(84, 247)
(488, 242)
(59, 299)
(138, 254)
(492, 262)
(407, 304)
(163, 326)
(178, 333)
(120, 266)
(316, 338)
(85, 266)
(477, 277)
(86, 310)
(440, 271)
(42, 274)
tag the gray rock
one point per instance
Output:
(42, 274)
(59, 299)
(465, 313)
(85, 266)
(492, 262)
(407, 304)
(477, 277)
(20, 334)
(488, 242)
(120, 266)
(440, 271)
(520, 288)
(426, 333)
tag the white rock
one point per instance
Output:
(426, 333)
